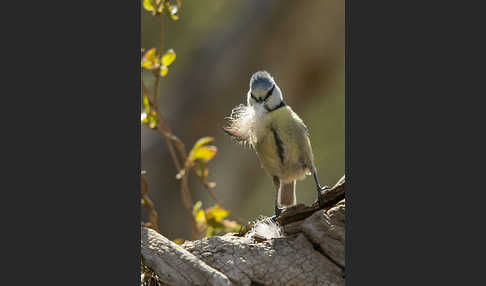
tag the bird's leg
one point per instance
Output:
(278, 211)
(319, 189)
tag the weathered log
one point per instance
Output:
(175, 265)
(311, 251)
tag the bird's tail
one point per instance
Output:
(286, 194)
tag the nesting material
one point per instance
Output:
(265, 228)
(244, 123)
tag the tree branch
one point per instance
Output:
(300, 211)
(175, 265)
(310, 253)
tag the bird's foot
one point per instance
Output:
(278, 211)
(320, 198)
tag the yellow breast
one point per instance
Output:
(284, 150)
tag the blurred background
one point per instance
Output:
(219, 45)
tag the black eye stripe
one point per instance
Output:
(265, 98)
(269, 93)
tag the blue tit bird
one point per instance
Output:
(279, 137)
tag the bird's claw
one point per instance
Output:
(278, 210)
(320, 198)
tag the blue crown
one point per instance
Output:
(261, 80)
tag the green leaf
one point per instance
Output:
(160, 9)
(216, 213)
(144, 118)
(201, 154)
(147, 117)
(204, 153)
(147, 65)
(164, 70)
(179, 241)
(168, 58)
(174, 17)
(202, 141)
(150, 55)
(148, 5)
(171, 11)
(200, 217)
(149, 60)
(152, 120)
(145, 102)
(210, 231)
(196, 207)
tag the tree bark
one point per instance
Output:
(311, 252)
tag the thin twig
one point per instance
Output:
(173, 141)
(153, 216)
(170, 139)
(164, 129)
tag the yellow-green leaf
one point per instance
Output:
(171, 11)
(179, 241)
(149, 60)
(144, 118)
(204, 153)
(201, 153)
(164, 70)
(217, 213)
(168, 58)
(147, 65)
(196, 207)
(150, 55)
(145, 102)
(200, 217)
(152, 120)
(210, 231)
(147, 4)
(202, 141)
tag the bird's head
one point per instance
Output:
(264, 91)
